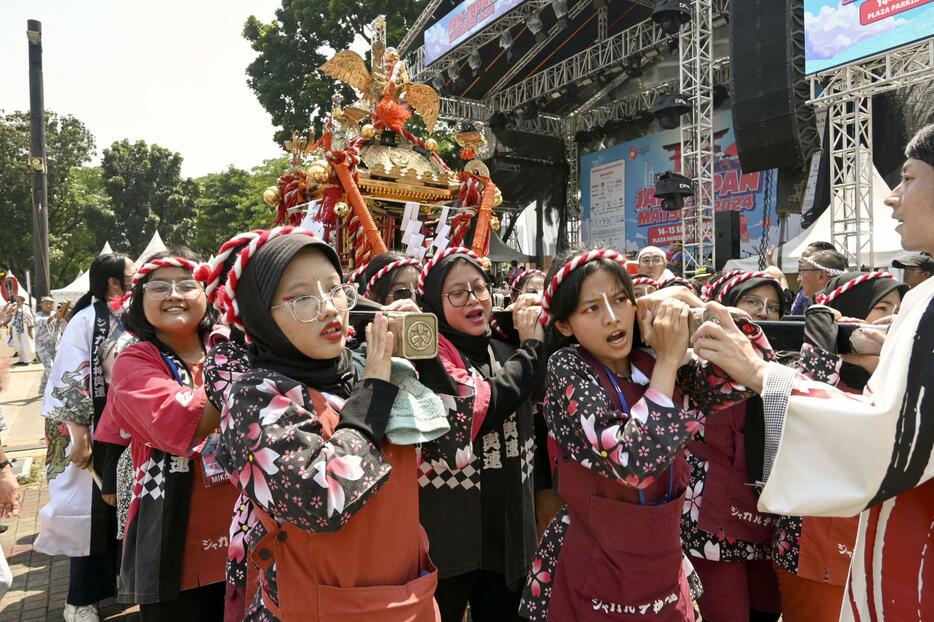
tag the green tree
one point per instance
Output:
(289, 50)
(232, 201)
(71, 196)
(147, 194)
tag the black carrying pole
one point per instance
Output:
(37, 162)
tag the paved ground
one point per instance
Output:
(40, 582)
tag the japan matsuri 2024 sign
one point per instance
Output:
(837, 32)
(619, 208)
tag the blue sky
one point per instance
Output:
(167, 71)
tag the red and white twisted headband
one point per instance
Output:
(814, 264)
(826, 299)
(210, 273)
(453, 250)
(569, 267)
(399, 263)
(675, 280)
(228, 296)
(148, 268)
(645, 280)
(525, 273)
(710, 288)
(742, 278)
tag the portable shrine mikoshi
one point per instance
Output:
(369, 184)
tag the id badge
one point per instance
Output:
(214, 474)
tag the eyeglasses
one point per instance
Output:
(460, 297)
(403, 293)
(309, 308)
(652, 260)
(756, 305)
(160, 290)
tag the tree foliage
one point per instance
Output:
(74, 198)
(147, 194)
(232, 201)
(289, 50)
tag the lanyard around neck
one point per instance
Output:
(625, 407)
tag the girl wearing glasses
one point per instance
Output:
(479, 513)
(329, 507)
(174, 548)
(728, 539)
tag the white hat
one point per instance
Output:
(651, 250)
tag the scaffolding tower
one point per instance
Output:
(696, 66)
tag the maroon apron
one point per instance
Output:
(728, 504)
(621, 558)
(376, 567)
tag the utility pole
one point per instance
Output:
(37, 161)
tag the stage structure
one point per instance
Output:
(640, 43)
(846, 93)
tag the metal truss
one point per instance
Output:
(643, 38)
(418, 27)
(463, 109)
(894, 69)
(847, 93)
(523, 61)
(572, 211)
(605, 54)
(634, 103)
(418, 72)
(696, 84)
(851, 173)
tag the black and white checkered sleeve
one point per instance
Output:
(776, 390)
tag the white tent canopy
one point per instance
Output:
(887, 244)
(80, 285)
(155, 245)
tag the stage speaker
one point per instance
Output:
(774, 126)
(726, 237)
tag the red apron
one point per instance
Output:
(621, 560)
(376, 567)
(728, 504)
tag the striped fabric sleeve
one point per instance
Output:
(776, 390)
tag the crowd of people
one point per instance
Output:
(242, 439)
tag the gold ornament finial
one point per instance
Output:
(368, 131)
(319, 171)
(431, 145)
(341, 209)
(300, 147)
(272, 196)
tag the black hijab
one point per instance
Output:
(859, 301)
(475, 348)
(731, 299)
(271, 349)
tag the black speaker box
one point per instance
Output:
(774, 126)
(726, 237)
